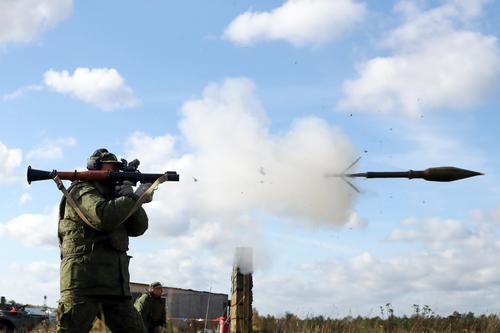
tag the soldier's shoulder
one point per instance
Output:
(79, 188)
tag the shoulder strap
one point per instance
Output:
(146, 193)
(70, 200)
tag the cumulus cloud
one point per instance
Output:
(454, 269)
(22, 228)
(438, 233)
(103, 87)
(23, 20)
(32, 281)
(10, 159)
(235, 166)
(299, 22)
(437, 62)
(50, 149)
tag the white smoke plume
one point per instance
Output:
(235, 166)
(243, 259)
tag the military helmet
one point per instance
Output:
(102, 155)
(155, 285)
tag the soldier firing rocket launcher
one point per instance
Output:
(103, 166)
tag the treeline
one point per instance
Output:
(420, 322)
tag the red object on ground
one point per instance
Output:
(223, 325)
(13, 310)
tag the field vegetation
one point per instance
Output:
(423, 320)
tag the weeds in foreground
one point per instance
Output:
(424, 320)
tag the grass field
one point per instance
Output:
(421, 323)
(423, 320)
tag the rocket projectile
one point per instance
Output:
(438, 174)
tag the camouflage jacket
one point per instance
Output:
(94, 261)
(152, 310)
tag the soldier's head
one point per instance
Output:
(102, 159)
(156, 289)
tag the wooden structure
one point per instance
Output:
(241, 295)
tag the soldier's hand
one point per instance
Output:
(141, 189)
(124, 189)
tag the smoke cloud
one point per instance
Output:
(243, 259)
(235, 166)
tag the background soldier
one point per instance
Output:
(94, 240)
(152, 308)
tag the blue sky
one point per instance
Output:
(258, 100)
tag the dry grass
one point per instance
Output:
(421, 323)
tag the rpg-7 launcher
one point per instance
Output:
(100, 175)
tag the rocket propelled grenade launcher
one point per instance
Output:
(100, 175)
(438, 174)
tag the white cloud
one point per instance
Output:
(50, 149)
(21, 91)
(23, 20)
(157, 148)
(487, 216)
(455, 269)
(237, 167)
(300, 22)
(435, 64)
(438, 233)
(103, 87)
(10, 159)
(25, 198)
(23, 228)
(31, 281)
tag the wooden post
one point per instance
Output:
(241, 294)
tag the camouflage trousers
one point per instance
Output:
(76, 314)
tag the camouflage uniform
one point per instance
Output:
(152, 310)
(94, 278)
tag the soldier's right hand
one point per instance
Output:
(124, 189)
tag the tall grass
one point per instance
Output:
(422, 321)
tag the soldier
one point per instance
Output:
(152, 308)
(93, 238)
